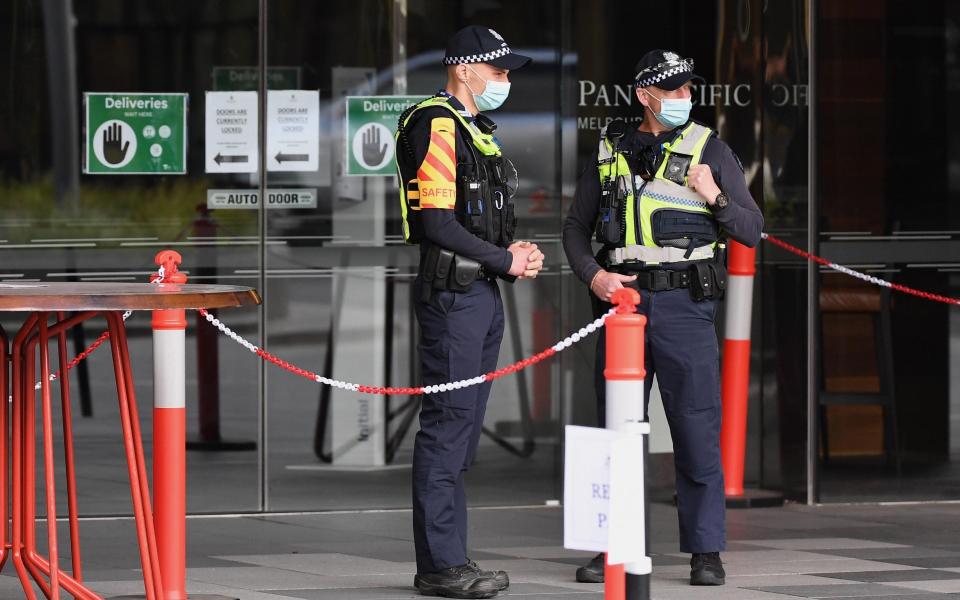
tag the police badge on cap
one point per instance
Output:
(664, 69)
(476, 44)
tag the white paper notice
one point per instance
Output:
(627, 529)
(231, 132)
(586, 488)
(293, 130)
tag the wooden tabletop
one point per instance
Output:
(53, 296)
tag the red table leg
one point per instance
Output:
(4, 444)
(38, 566)
(68, 452)
(48, 469)
(31, 567)
(19, 395)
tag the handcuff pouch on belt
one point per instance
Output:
(444, 270)
(708, 280)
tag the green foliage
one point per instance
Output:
(165, 208)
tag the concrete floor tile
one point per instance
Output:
(326, 564)
(852, 590)
(818, 543)
(894, 576)
(942, 586)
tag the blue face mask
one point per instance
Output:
(674, 112)
(493, 96)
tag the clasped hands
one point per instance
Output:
(527, 260)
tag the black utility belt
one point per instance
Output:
(444, 270)
(706, 280)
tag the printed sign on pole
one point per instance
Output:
(231, 128)
(626, 541)
(135, 134)
(586, 488)
(603, 488)
(371, 123)
(293, 130)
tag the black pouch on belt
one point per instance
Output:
(464, 273)
(701, 282)
(428, 272)
(719, 279)
(444, 266)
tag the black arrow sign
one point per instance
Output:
(230, 158)
(281, 157)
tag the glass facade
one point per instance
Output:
(837, 166)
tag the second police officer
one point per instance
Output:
(660, 199)
(456, 189)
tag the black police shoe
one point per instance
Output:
(501, 577)
(707, 569)
(592, 572)
(456, 582)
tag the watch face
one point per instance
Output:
(721, 200)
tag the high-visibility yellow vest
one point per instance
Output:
(662, 212)
(482, 205)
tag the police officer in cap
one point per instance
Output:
(456, 195)
(660, 199)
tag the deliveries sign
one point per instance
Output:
(371, 124)
(129, 134)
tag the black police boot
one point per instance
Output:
(456, 582)
(707, 569)
(592, 572)
(501, 577)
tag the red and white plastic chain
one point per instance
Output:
(862, 276)
(97, 342)
(409, 391)
(532, 360)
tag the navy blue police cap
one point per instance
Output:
(664, 69)
(476, 44)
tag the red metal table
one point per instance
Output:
(161, 537)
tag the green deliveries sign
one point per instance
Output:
(135, 134)
(371, 123)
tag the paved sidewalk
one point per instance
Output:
(906, 552)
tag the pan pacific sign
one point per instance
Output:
(612, 96)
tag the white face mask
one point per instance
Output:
(493, 95)
(674, 112)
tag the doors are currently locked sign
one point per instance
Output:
(133, 133)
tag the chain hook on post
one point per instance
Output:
(168, 262)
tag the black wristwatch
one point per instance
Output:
(721, 201)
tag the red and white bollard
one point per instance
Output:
(626, 412)
(736, 365)
(170, 433)
(735, 386)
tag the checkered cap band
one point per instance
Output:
(644, 80)
(476, 58)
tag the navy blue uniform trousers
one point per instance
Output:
(682, 351)
(460, 337)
